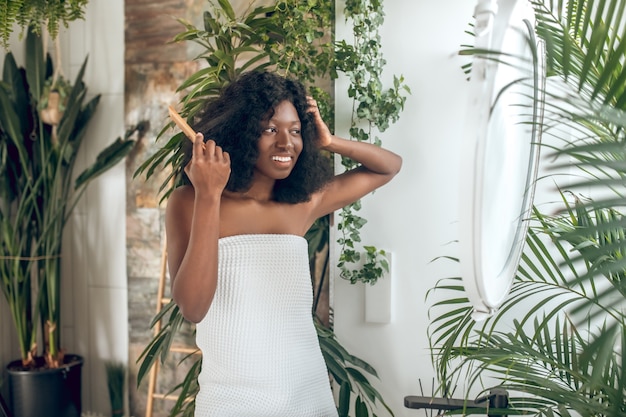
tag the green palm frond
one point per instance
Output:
(544, 361)
(557, 342)
(553, 285)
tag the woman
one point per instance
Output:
(237, 258)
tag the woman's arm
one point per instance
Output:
(192, 228)
(377, 167)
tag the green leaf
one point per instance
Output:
(360, 409)
(9, 120)
(344, 399)
(109, 157)
(150, 355)
(35, 65)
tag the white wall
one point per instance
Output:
(97, 324)
(415, 215)
(95, 316)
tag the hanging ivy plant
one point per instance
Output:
(38, 14)
(373, 109)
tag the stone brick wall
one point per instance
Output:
(154, 70)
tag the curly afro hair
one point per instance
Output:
(234, 119)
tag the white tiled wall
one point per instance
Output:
(97, 269)
(95, 311)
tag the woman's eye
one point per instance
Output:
(295, 131)
(271, 130)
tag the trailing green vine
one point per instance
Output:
(37, 14)
(373, 109)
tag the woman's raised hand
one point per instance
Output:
(324, 137)
(209, 168)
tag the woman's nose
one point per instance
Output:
(284, 140)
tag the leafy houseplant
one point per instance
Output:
(373, 110)
(39, 146)
(558, 342)
(116, 379)
(291, 37)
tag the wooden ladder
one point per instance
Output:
(154, 371)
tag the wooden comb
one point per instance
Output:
(182, 124)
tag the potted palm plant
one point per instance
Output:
(557, 343)
(43, 122)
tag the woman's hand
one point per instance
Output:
(192, 224)
(209, 168)
(324, 137)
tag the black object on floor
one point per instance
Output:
(498, 399)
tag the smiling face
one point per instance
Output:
(280, 143)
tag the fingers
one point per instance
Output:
(209, 149)
(324, 136)
(214, 150)
(312, 104)
(206, 157)
(198, 145)
(197, 151)
(315, 111)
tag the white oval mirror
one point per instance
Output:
(500, 152)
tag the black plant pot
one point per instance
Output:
(46, 392)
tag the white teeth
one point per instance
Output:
(281, 158)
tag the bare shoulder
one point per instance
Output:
(180, 202)
(181, 195)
